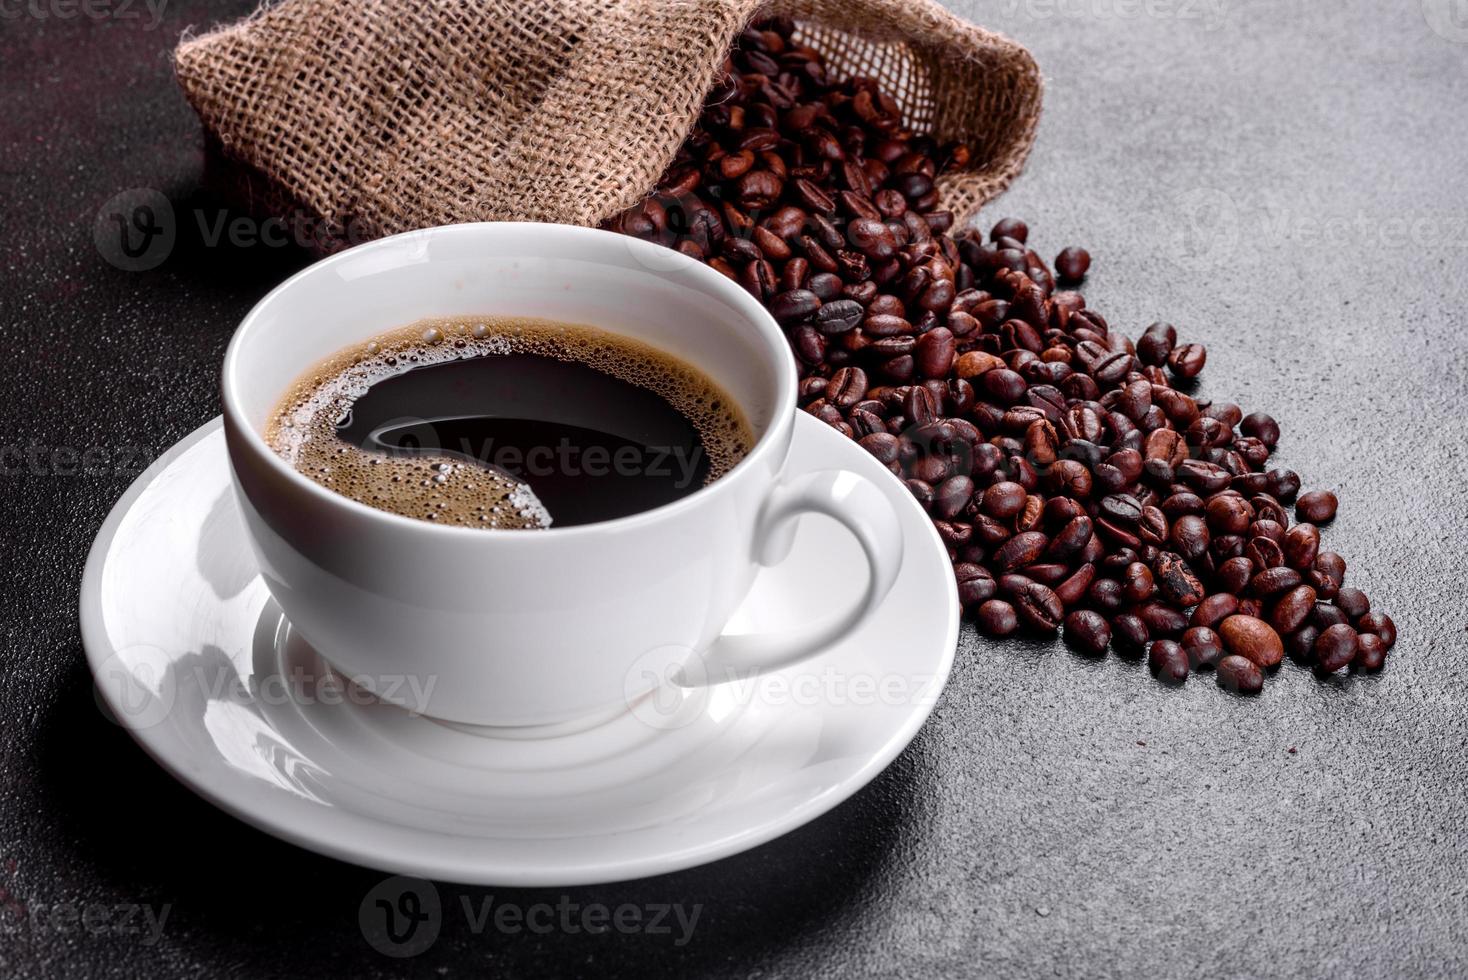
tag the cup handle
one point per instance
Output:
(867, 513)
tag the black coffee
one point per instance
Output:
(509, 424)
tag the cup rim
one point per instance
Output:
(693, 275)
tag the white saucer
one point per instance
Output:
(191, 654)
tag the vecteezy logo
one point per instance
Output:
(135, 230)
(1205, 230)
(137, 686)
(667, 688)
(1447, 18)
(401, 916)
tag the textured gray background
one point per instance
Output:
(1284, 181)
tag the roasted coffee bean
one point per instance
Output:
(1156, 343)
(1332, 566)
(882, 445)
(847, 387)
(1226, 546)
(1326, 616)
(794, 273)
(809, 345)
(1176, 581)
(1204, 432)
(1228, 515)
(1203, 646)
(1189, 535)
(838, 316)
(1240, 675)
(1070, 478)
(1283, 485)
(1215, 609)
(952, 495)
(1273, 581)
(1007, 405)
(1041, 442)
(1113, 369)
(1264, 553)
(1010, 228)
(1136, 582)
(1039, 607)
(1162, 619)
(856, 269)
(1072, 537)
(1071, 264)
(1352, 602)
(825, 411)
(1301, 544)
(1087, 632)
(955, 534)
(1182, 504)
(1060, 511)
(812, 196)
(794, 305)
(872, 238)
(758, 189)
(1370, 653)
(975, 584)
(1121, 508)
(1316, 507)
(1234, 574)
(1168, 661)
(1004, 385)
(1004, 500)
(758, 279)
(1023, 549)
(913, 186)
(922, 492)
(1336, 647)
(997, 618)
(1204, 477)
(1013, 584)
(864, 423)
(935, 353)
(1292, 609)
(1226, 412)
(885, 325)
(1253, 639)
(1301, 644)
(1106, 594)
(1381, 625)
(1129, 634)
(1262, 427)
(1268, 529)
(1186, 361)
(974, 363)
(930, 469)
(1029, 518)
(919, 405)
(1074, 588)
(958, 400)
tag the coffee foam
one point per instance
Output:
(446, 489)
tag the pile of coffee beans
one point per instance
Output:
(1075, 482)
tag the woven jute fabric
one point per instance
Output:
(380, 116)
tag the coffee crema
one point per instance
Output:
(508, 423)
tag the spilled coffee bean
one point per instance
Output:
(1240, 674)
(1168, 661)
(1071, 474)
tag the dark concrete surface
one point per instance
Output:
(1283, 180)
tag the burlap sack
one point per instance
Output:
(380, 116)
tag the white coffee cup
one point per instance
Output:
(512, 627)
